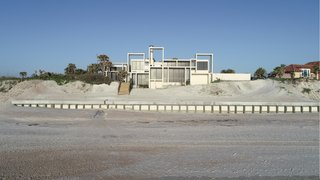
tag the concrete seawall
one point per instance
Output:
(196, 107)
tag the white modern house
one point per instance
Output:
(155, 71)
(159, 73)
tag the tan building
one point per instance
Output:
(309, 70)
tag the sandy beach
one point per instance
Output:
(93, 144)
(159, 90)
(41, 143)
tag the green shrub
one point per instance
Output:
(6, 85)
(2, 89)
(2, 78)
(282, 80)
(94, 79)
(283, 88)
(143, 86)
(216, 81)
(60, 79)
(306, 90)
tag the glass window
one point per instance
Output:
(305, 72)
(202, 65)
(193, 63)
(156, 73)
(143, 79)
(183, 63)
(176, 75)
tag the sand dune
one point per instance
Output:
(258, 91)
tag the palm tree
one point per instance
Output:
(23, 75)
(80, 71)
(70, 69)
(316, 71)
(292, 75)
(93, 68)
(90, 69)
(260, 73)
(104, 63)
(41, 72)
(122, 75)
(279, 70)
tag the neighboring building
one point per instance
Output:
(309, 70)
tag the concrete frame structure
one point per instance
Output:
(112, 73)
(147, 72)
(160, 73)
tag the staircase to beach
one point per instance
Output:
(124, 88)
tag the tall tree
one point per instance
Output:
(122, 75)
(104, 63)
(316, 71)
(93, 68)
(80, 71)
(23, 75)
(70, 69)
(292, 75)
(260, 73)
(279, 70)
(41, 71)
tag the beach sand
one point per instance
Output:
(243, 91)
(40, 143)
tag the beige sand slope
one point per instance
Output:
(248, 91)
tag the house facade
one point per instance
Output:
(309, 70)
(155, 71)
(112, 73)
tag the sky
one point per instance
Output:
(242, 34)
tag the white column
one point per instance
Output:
(185, 76)
(136, 80)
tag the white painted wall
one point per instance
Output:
(137, 65)
(197, 79)
(156, 85)
(231, 77)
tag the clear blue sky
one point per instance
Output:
(242, 34)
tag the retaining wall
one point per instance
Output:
(214, 107)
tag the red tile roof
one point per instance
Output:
(298, 67)
(314, 63)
